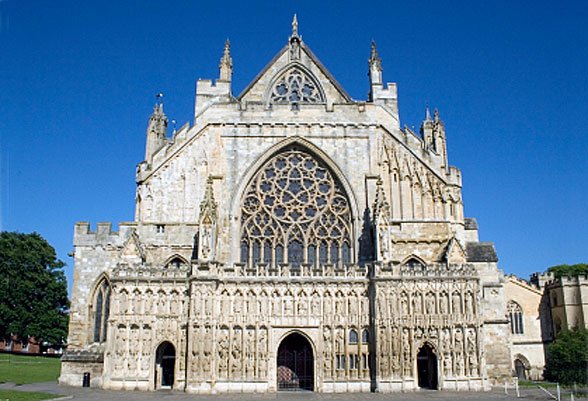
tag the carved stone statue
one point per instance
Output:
(456, 302)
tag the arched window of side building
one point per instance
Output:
(515, 315)
(101, 310)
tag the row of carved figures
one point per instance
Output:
(388, 304)
(429, 302)
(243, 352)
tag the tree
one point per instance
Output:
(567, 358)
(579, 269)
(33, 289)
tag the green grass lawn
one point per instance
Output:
(24, 396)
(21, 369)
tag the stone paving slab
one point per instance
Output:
(94, 394)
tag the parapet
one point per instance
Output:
(104, 234)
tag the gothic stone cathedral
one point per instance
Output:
(292, 238)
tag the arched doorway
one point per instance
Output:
(165, 363)
(427, 367)
(295, 364)
(520, 369)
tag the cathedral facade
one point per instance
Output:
(291, 238)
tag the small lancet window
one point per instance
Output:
(365, 336)
(101, 311)
(352, 336)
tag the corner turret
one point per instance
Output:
(379, 94)
(156, 129)
(375, 71)
(427, 130)
(433, 134)
(208, 92)
(439, 140)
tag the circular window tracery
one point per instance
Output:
(294, 210)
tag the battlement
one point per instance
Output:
(152, 233)
(548, 279)
(569, 280)
(103, 235)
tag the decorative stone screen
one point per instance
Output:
(295, 211)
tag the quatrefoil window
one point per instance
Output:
(295, 86)
(295, 211)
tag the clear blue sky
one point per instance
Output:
(510, 78)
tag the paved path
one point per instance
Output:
(92, 394)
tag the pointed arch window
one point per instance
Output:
(296, 86)
(515, 315)
(101, 311)
(365, 336)
(297, 208)
(353, 338)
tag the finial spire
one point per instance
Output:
(375, 61)
(427, 114)
(295, 26)
(294, 41)
(226, 63)
(436, 114)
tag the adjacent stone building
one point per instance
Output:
(292, 237)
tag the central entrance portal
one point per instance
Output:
(295, 364)
(427, 367)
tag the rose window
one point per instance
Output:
(295, 211)
(295, 86)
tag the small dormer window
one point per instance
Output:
(296, 86)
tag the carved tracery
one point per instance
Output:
(296, 86)
(295, 211)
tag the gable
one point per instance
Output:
(295, 64)
(132, 252)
